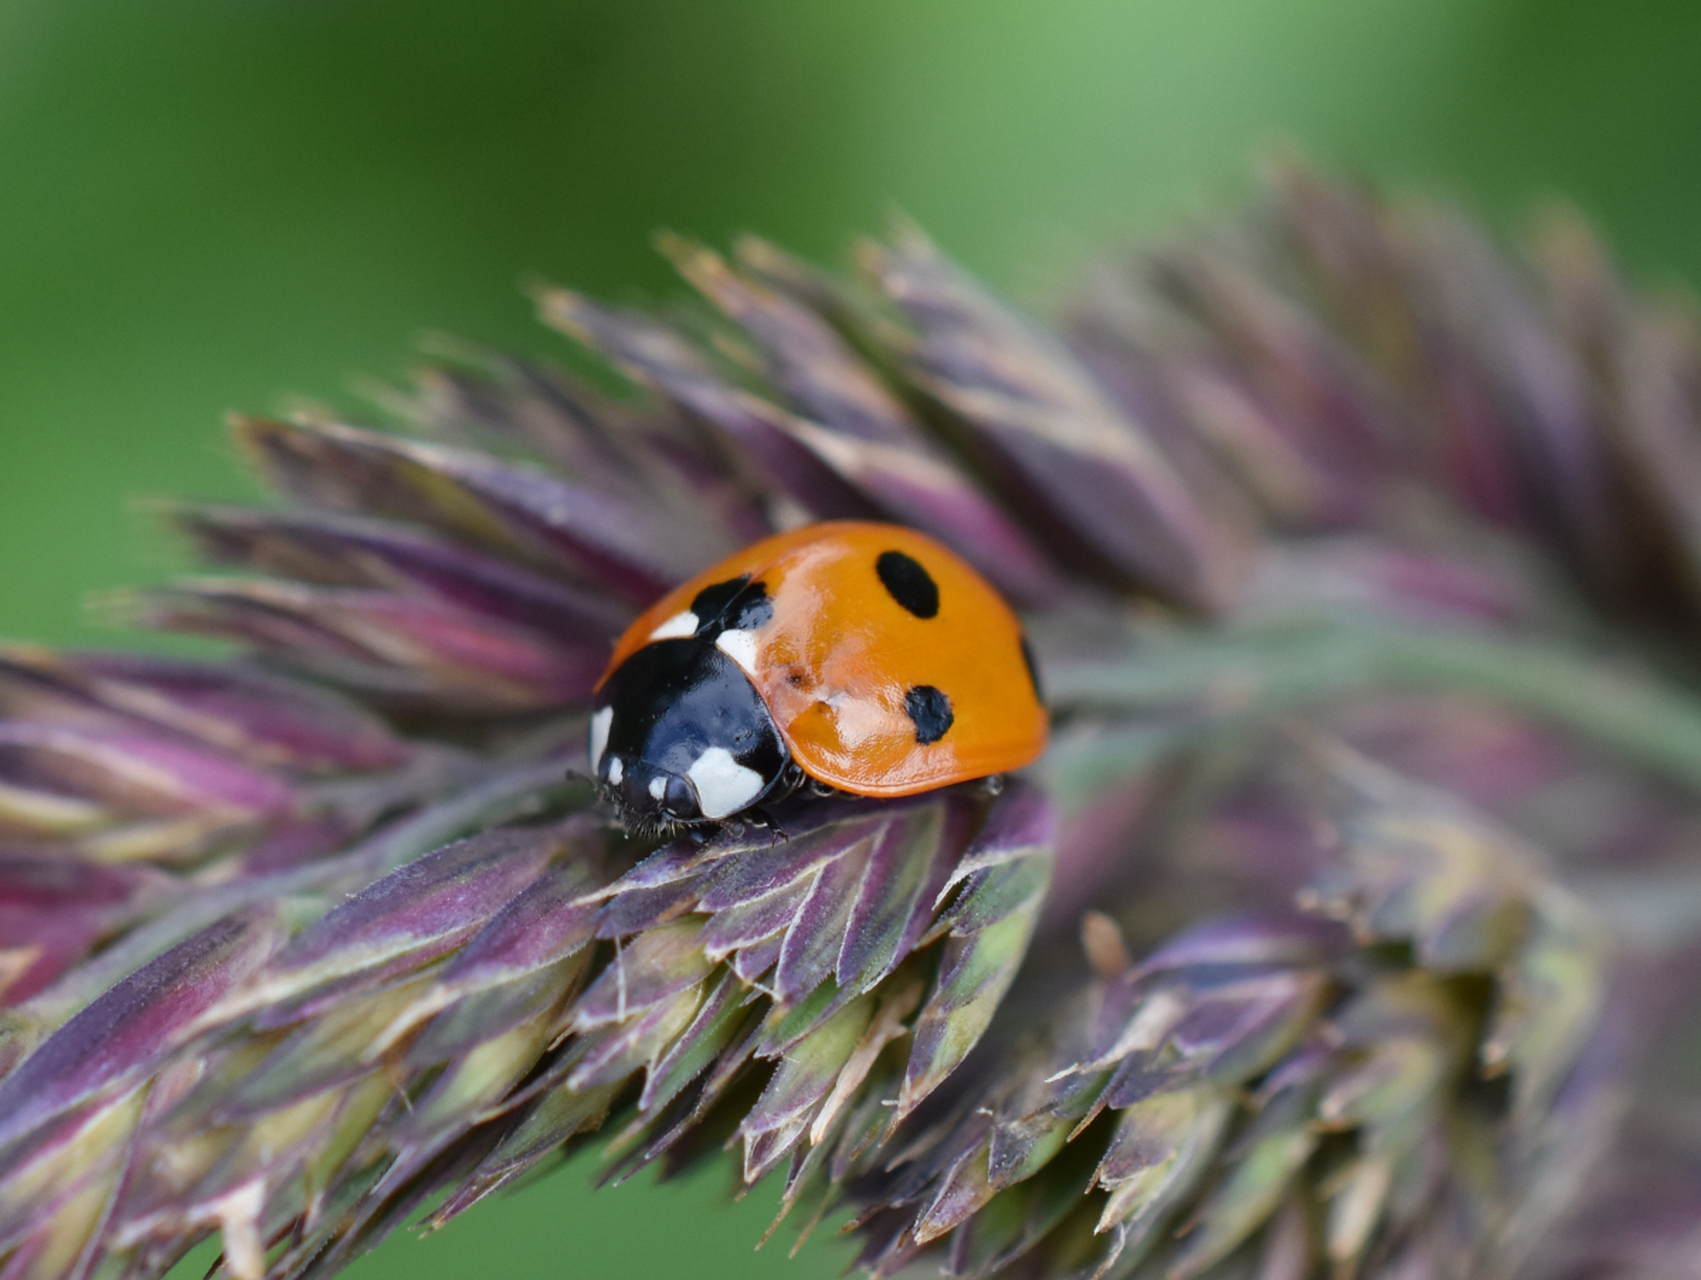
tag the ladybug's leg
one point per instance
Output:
(790, 780)
(761, 818)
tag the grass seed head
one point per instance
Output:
(1362, 563)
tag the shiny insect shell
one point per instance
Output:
(865, 656)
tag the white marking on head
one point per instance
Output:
(740, 646)
(658, 786)
(600, 723)
(616, 770)
(723, 785)
(680, 625)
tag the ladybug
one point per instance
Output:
(865, 657)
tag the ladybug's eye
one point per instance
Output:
(678, 799)
(909, 584)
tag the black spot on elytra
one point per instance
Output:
(712, 601)
(1033, 668)
(752, 608)
(910, 585)
(930, 711)
(737, 604)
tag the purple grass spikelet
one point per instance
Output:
(1349, 926)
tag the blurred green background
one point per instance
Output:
(218, 204)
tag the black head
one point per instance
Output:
(680, 737)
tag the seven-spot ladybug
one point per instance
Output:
(864, 656)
